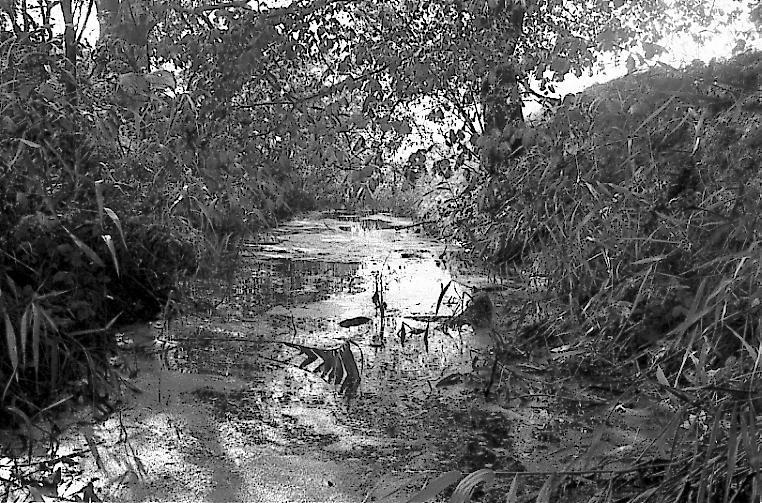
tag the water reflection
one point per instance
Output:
(289, 282)
(309, 276)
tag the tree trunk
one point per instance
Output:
(500, 96)
(71, 142)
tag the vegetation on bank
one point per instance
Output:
(126, 163)
(633, 216)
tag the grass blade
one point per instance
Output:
(547, 488)
(112, 249)
(749, 433)
(36, 329)
(51, 324)
(24, 333)
(732, 452)
(705, 482)
(85, 249)
(660, 377)
(654, 114)
(747, 347)
(99, 200)
(114, 218)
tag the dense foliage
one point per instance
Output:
(634, 214)
(187, 125)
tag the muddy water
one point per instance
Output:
(226, 414)
(307, 277)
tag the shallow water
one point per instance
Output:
(308, 276)
(227, 414)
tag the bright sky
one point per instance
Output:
(681, 50)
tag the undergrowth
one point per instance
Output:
(102, 214)
(633, 214)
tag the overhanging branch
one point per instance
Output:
(326, 91)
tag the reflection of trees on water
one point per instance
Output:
(289, 282)
(259, 286)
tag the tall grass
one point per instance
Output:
(637, 205)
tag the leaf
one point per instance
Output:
(337, 365)
(442, 291)
(85, 249)
(110, 244)
(512, 497)
(435, 487)
(661, 377)
(133, 83)
(114, 218)
(30, 143)
(630, 64)
(463, 491)
(161, 79)
(10, 339)
(49, 295)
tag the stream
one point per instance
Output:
(225, 413)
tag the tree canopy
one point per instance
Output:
(331, 84)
